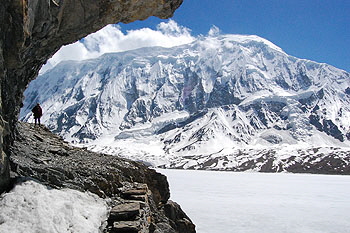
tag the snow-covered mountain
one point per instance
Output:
(216, 103)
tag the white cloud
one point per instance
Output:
(112, 39)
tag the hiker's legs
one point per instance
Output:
(39, 120)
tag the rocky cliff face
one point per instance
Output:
(32, 31)
(138, 195)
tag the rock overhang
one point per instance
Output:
(31, 31)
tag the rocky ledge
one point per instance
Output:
(138, 196)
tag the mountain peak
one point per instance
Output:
(259, 96)
(247, 39)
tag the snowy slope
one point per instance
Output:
(219, 97)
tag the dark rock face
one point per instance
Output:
(139, 195)
(32, 31)
(178, 219)
(326, 126)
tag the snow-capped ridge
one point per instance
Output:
(248, 39)
(211, 96)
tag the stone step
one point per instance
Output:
(142, 198)
(135, 192)
(123, 212)
(139, 193)
(126, 226)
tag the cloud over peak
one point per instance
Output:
(112, 39)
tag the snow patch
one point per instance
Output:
(32, 207)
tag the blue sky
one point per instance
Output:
(318, 30)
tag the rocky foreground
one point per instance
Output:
(139, 196)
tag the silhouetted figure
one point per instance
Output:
(38, 112)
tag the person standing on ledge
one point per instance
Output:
(38, 112)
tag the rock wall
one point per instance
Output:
(31, 31)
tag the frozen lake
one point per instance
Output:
(224, 202)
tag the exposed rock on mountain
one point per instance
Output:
(139, 196)
(32, 31)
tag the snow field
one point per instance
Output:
(259, 202)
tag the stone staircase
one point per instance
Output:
(131, 214)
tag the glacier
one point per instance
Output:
(221, 102)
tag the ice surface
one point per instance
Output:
(31, 207)
(262, 203)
